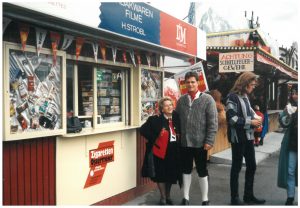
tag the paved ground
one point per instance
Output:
(219, 192)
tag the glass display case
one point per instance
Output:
(34, 93)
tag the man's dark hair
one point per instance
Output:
(191, 74)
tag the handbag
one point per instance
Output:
(148, 168)
(160, 145)
(73, 125)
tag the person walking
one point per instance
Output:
(199, 125)
(162, 135)
(241, 123)
(288, 158)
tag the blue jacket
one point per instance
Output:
(284, 150)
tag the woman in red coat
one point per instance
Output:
(162, 135)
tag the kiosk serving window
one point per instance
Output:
(151, 92)
(99, 94)
(109, 90)
(34, 93)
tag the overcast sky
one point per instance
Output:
(279, 18)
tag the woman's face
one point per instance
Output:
(167, 107)
(250, 87)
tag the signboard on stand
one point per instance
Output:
(236, 62)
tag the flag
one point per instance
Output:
(148, 57)
(103, 49)
(95, 49)
(124, 55)
(68, 39)
(40, 38)
(138, 56)
(131, 52)
(114, 52)
(55, 38)
(163, 60)
(24, 31)
(79, 43)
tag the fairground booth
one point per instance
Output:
(233, 52)
(236, 43)
(101, 62)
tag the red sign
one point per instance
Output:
(98, 160)
(178, 35)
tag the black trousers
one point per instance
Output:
(240, 150)
(188, 154)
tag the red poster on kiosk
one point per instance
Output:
(98, 159)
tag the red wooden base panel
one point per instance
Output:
(29, 172)
(127, 195)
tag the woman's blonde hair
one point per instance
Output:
(161, 102)
(242, 82)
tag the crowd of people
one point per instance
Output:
(178, 138)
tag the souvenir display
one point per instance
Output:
(35, 102)
(151, 92)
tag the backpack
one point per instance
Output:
(73, 125)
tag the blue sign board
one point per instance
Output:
(133, 19)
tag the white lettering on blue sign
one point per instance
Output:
(132, 28)
(133, 16)
(138, 8)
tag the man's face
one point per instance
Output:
(250, 87)
(191, 84)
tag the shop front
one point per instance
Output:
(65, 60)
(233, 52)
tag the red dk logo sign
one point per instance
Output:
(98, 161)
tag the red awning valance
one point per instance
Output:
(265, 60)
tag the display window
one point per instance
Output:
(34, 93)
(151, 92)
(99, 95)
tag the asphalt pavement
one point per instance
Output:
(265, 183)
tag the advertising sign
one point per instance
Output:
(236, 62)
(177, 34)
(98, 159)
(137, 20)
(132, 19)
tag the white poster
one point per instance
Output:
(236, 62)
